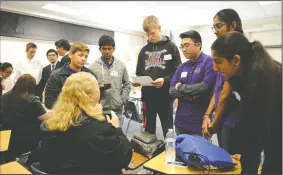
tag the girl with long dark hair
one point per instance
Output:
(256, 78)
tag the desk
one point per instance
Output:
(4, 140)
(137, 161)
(13, 168)
(158, 164)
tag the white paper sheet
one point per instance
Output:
(143, 80)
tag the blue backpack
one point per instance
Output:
(198, 152)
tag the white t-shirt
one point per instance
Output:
(26, 66)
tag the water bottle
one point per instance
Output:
(170, 152)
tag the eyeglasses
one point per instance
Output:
(217, 26)
(187, 45)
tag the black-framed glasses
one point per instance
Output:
(217, 26)
(187, 45)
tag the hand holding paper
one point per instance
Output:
(158, 83)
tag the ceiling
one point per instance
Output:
(128, 15)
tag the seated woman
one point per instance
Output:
(20, 109)
(82, 140)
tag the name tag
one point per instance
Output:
(184, 74)
(114, 73)
(167, 57)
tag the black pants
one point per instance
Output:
(251, 152)
(164, 109)
(224, 138)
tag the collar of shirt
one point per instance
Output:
(107, 63)
(30, 60)
(69, 69)
(199, 59)
(53, 64)
(67, 53)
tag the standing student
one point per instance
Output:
(78, 55)
(29, 65)
(63, 48)
(113, 78)
(6, 69)
(192, 84)
(52, 57)
(223, 102)
(257, 79)
(158, 59)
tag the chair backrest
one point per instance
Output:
(130, 111)
(35, 168)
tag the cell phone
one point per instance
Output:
(107, 113)
(107, 86)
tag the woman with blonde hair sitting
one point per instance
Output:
(83, 141)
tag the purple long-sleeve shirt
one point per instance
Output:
(198, 80)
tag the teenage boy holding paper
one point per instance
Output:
(158, 59)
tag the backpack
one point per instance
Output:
(147, 144)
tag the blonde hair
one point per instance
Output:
(73, 100)
(150, 22)
(79, 47)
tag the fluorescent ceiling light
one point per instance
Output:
(268, 2)
(60, 9)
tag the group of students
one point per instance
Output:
(236, 92)
(239, 81)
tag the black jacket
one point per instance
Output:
(20, 116)
(158, 60)
(56, 81)
(65, 59)
(260, 119)
(46, 71)
(92, 147)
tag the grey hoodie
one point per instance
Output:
(117, 76)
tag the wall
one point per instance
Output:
(127, 49)
(266, 37)
(270, 37)
(13, 49)
(30, 27)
